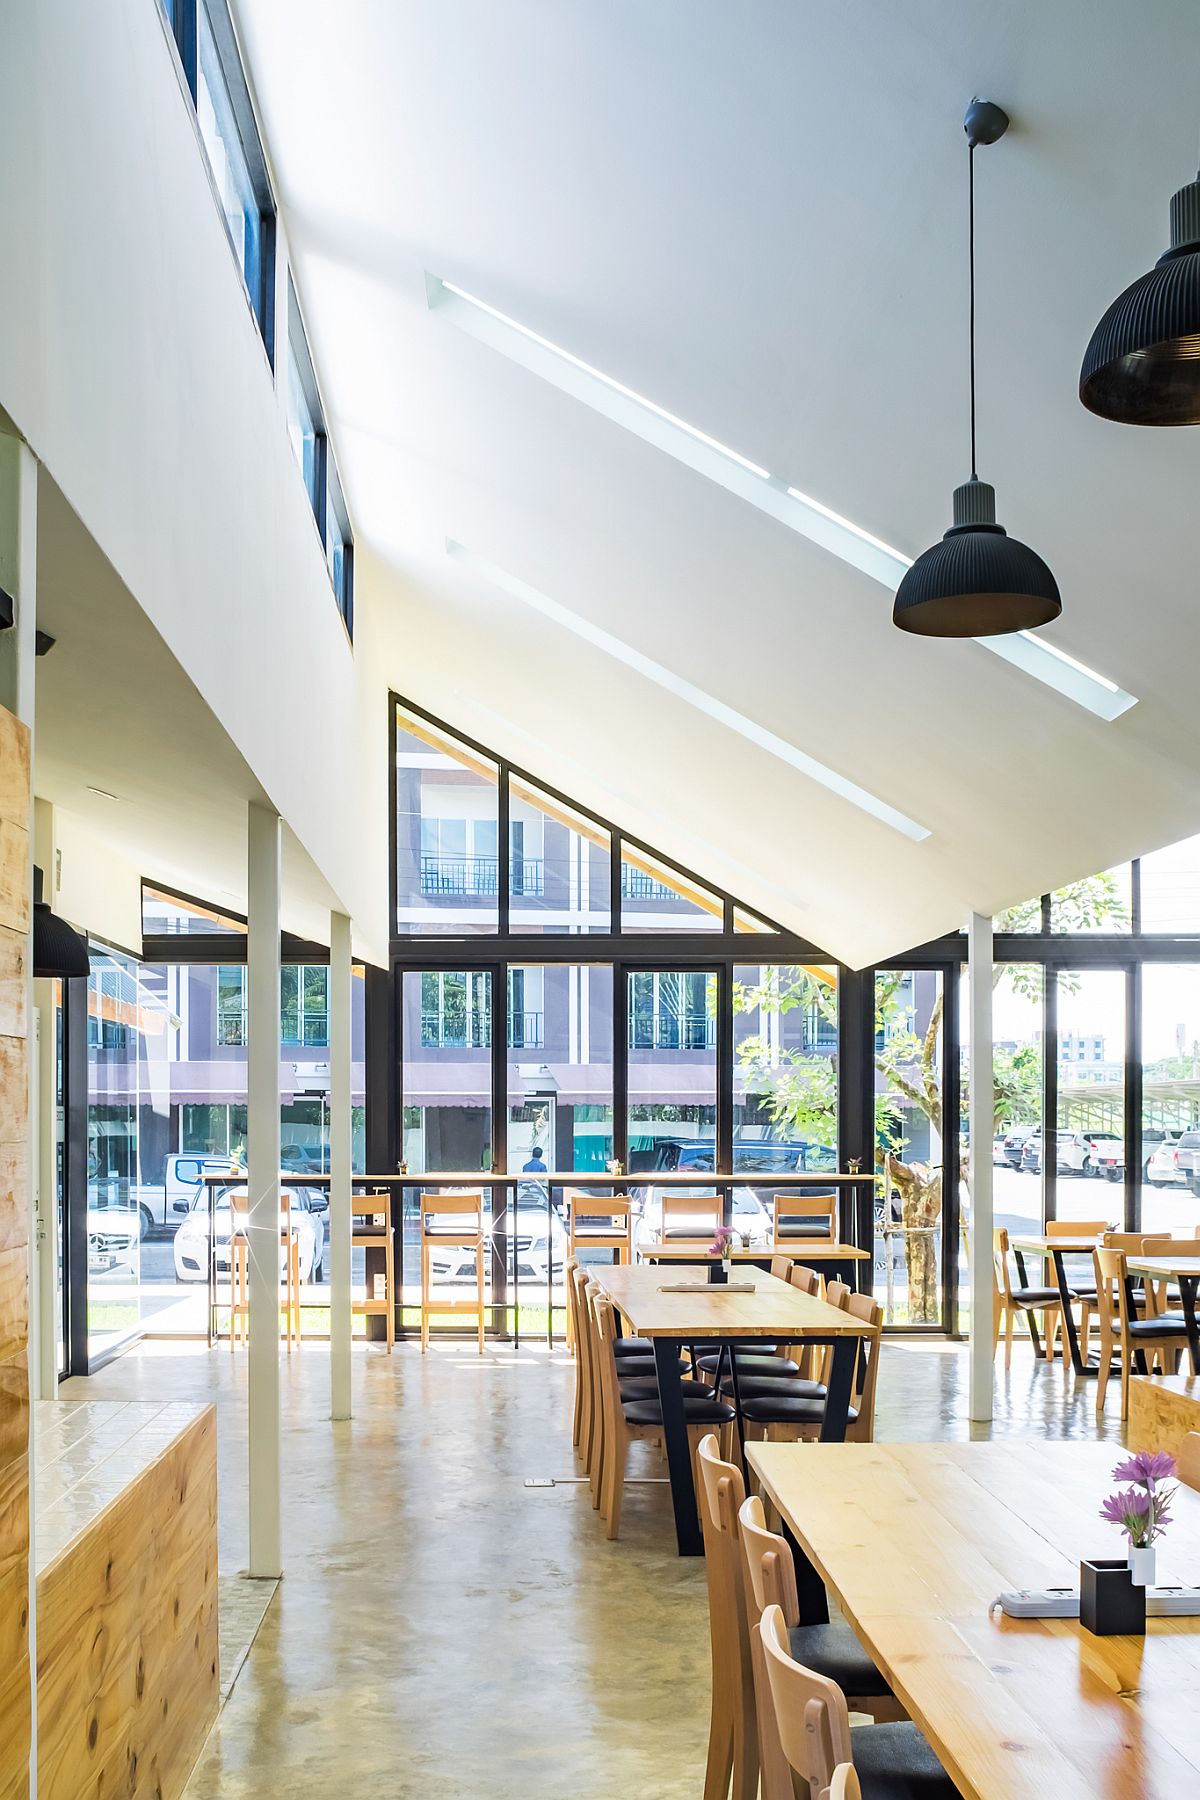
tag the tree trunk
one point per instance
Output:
(920, 1190)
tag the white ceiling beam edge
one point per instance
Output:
(672, 683)
(707, 456)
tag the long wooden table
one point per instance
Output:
(840, 1261)
(775, 1312)
(917, 1540)
(1186, 1271)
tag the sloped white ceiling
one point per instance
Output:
(756, 217)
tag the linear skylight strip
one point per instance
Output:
(709, 457)
(1043, 660)
(694, 696)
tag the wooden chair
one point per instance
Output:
(1009, 1301)
(463, 1231)
(844, 1785)
(785, 1412)
(1188, 1461)
(375, 1233)
(1161, 1297)
(627, 1420)
(600, 1223)
(813, 1723)
(691, 1218)
(1122, 1331)
(732, 1732)
(239, 1261)
(807, 1280)
(570, 1268)
(807, 1218)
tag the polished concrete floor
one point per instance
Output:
(444, 1632)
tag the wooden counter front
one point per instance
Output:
(126, 1550)
(1162, 1410)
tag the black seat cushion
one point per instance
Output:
(1165, 1325)
(753, 1365)
(699, 1412)
(893, 1762)
(645, 1387)
(833, 1650)
(1034, 1296)
(631, 1366)
(751, 1347)
(1082, 1290)
(757, 1387)
(634, 1346)
(689, 1234)
(777, 1409)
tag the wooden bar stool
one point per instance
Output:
(375, 1233)
(239, 1260)
(452, 1222)
(803, 1220)
(597, 1223)
(691, 1218)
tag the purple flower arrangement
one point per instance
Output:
(724, 1239)
(1141, 1508)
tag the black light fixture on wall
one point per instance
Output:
(1142, 366)
(978, 582)
(58, 951)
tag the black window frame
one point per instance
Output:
(328, 479)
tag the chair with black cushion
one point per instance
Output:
(790, 1410)
(625, 1420)
(808, 1214)
(1008, 1302)
(732, 1727)
(769, 1579)
(892, 1761)
(691, 1219)
(1123, 1333)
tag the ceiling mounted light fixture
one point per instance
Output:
(978, 582)
(1142, 366)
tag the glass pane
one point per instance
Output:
(447, 870)
(165, 915)
(785, 1082)
(909, 1136)
(226, 157)
(1170, 1174)
(1171, 888)
(302, 429)
(1098, 903)
(1089, 1154)
(1025, 917)
(559, 1116)
(672, 1039)
(655, 897)
(559, 866)
(1017, 1072)
(748, 921)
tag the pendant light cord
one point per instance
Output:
(971, 252)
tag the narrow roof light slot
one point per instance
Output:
(672, 683)
(749, 481)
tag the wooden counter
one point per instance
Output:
(1162, 1410)
(125, 1550)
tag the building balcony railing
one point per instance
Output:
(478, 877)
(637, 885)
(671, 1031)
(526, 1031)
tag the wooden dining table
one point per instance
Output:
(774, 1311)
(1186, 1271)
(916, 1541)
(840, 1261)
(1055, 1249)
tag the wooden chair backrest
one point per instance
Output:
(862, 1430)
(810, 1219)
(585, 1341)
(844, 1785)
(1129, 1241)
(613, 1208)
(837, 1293)
(1001, 1273)
(767, 1565)
(1188, 1460)
(569, 1268)
(722, 1491)
(781, 1267)
(810, 1709)
(604, 1327)
(1080, 1228)
(1112, 1304)
(1171, 1246)
(807, 1280)
(465, 1206)
(701, 1213)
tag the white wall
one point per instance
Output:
(131, 362)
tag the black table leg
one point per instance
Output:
(1077, 1362)
(679, 1463)
(1188, 1284)
(837, 1400)
(1023, 1278)
(810, 1589)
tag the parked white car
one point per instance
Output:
(114, 1234)
(191, 1240)
(1163, 1166)
(537, 1243)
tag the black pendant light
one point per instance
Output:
(978, 582)
(1142, 366)
(58, 951)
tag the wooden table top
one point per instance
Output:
(1019, 1240)
(774, 1310)
(1153, 1264)
(917, 1540)
(797, 1248)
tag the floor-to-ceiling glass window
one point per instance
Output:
(671, 1041)
(910, 1132)
(785, 1078)
(1087, 1158)
(1169, 1184)
(447, 833)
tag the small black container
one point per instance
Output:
(1109, 1603)
(718, 1275)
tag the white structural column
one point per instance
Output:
(341, 1212)
(262, 1145)
(982, 1120)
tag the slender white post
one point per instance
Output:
(262, 1146)
(982, 1117)
(341, 1219)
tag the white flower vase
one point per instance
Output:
(727, 1264)
(1141, 1564)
